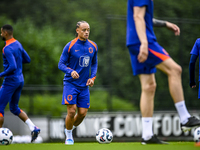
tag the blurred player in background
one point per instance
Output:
(13, 57)
(147, 55)
(194, 55)
(78, 59)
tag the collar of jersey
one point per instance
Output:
(82, 42)
(10, 41)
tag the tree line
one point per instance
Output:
(44, 27)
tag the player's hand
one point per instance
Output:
(90, 82)
(173, 27)
(192, 84)
(143, 54)
(74, 75)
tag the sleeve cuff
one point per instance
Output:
(93, 78)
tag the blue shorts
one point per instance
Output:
(76, 95)
(10, 93)
(157, 54)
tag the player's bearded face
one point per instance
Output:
(3, 38)
(83, 31)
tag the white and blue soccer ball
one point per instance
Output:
(197, 134)
(6, 136)
(104, 135)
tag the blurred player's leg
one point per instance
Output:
(80, 116)
(22, 115)
(69, 121)
(34, 134)
(69, 138)
(6, 92)
(173, 70)
(148, 85)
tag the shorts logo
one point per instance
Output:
(66, 102)
(69, 97)
(90, 50)
(84, 61)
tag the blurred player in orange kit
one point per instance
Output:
(14, 56)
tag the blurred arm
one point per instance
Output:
(94, 66)
(12, 66)
(193, 59)
(63, 61)
(25, 57)
(138, 17)
(159, 23)
(169, 25)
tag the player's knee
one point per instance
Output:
(15, 110)
(71, 113)
(82, 114)
(178, 70)
(150, 87)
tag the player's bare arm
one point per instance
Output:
(139, 13)
(169, 25)
(173, 27)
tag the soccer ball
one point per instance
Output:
(6, 136)
(197, 134)
(104, 136)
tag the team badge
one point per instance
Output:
(90, 50)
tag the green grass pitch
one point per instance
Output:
(97, 146)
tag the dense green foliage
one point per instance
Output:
(50, 104)
(45, 26)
